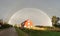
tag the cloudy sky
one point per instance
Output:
(9, 7)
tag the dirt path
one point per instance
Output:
(8, 32)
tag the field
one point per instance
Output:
(30, 32)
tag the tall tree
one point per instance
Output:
(54, 20)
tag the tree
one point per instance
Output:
(58, 19)
(1, 21)
(54, 20)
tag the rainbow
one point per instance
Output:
(36, 15)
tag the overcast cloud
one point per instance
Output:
(9, 7)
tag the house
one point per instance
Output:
(26, 24)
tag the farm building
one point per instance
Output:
(26, 24)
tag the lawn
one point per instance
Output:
(31, 32)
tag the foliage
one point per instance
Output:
(5, 26)
(55, 20)
(57, 25)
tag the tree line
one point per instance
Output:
(4, 24)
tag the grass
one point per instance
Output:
(41, 33)
(31, 32)
(20, 32)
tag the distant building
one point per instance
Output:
(26, 24)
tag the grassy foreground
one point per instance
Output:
(20, 32)
(31, 32)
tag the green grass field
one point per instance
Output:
(30, 32)
(20, 32)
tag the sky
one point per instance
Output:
(9, 7)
